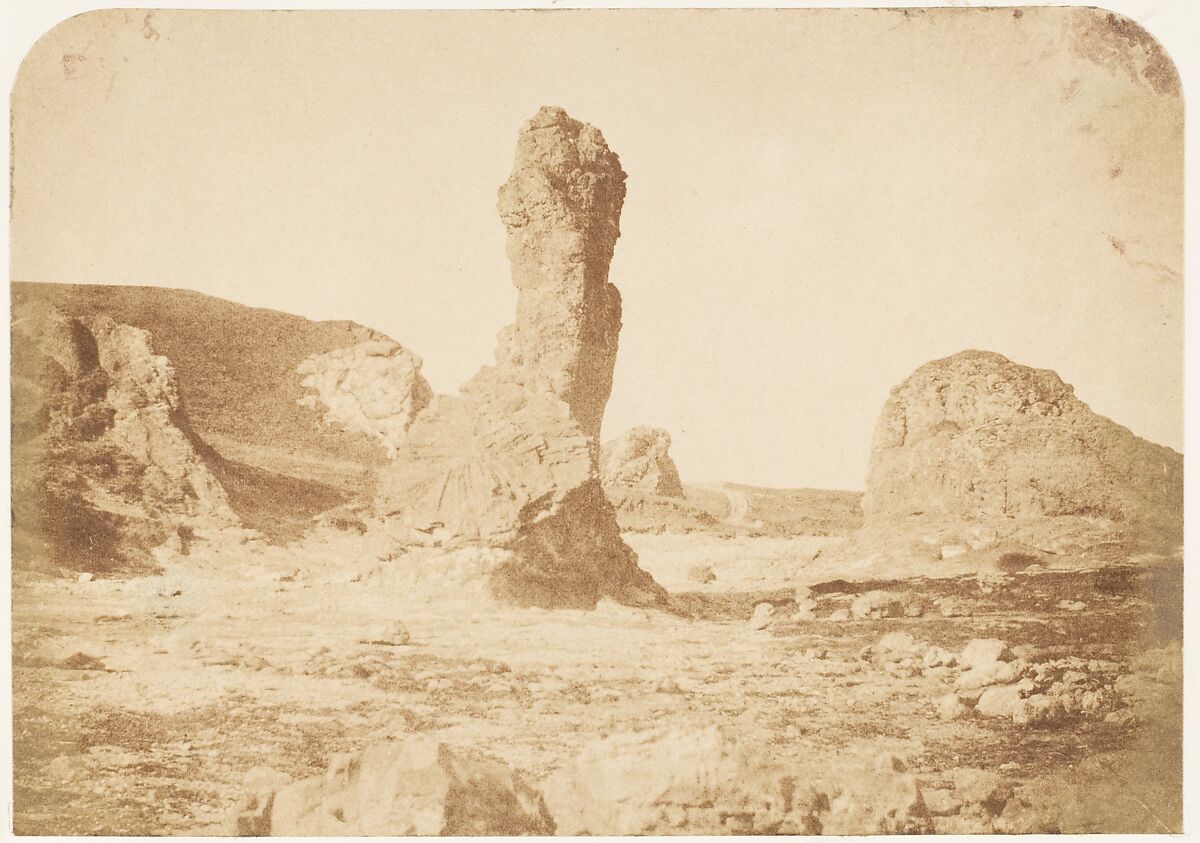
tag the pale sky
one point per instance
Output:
(819, 201)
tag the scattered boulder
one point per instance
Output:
(982, 652)
(939, 657)
(806, 609)
(66, 768)
(512, 462)
(806, 604)
(64, 653)
(1000, 701)
(764, 613)
(953, 607)
(986, 661)
(391, 634)
(417, 786)
(950, 707)
(897, 643)
(701, 574)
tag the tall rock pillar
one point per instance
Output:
(562, 208)
(510, 465)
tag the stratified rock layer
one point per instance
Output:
(640, 461)
(511, 462)
(106, 466)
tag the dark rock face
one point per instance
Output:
(511, 462)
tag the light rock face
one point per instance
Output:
(639, 461)
(375, 388)
(562, 209)
(106, 466)
(415, 787)
(511, 462)
(976, 436)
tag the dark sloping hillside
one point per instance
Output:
(236, 367)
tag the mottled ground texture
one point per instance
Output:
(141, 704)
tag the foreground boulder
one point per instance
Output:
(511, 463)
(673, 781)
(415, 787)
(105, 465)
(703, 782)
(639, 461)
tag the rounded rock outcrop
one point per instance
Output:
(640, 461)
(978, 437)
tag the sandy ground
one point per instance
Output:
(140, 704)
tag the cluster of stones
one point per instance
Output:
(654, 782)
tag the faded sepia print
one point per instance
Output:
(631, 422)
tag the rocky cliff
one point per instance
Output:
(106, 466)
(373, 387)
(280, 462)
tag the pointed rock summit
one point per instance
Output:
(511, 463)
